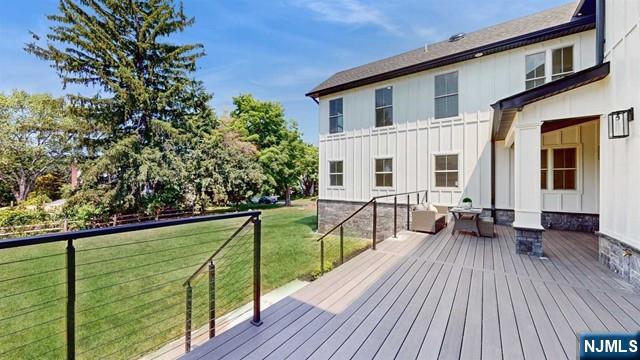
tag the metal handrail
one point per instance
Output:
(71, 236)
(210, 258)
(366, 204)
(81, 234)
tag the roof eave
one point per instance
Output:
(508, 106)
(579, 25)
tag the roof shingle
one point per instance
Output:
(493, 34)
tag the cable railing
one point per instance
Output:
(338, 248)
(119, 292)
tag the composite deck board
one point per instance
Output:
(443, 296)
(472, 335)
(389, 322)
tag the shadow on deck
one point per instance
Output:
(443, 296)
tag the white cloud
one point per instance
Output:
(426, 33)
(351, 12)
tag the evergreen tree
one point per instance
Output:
(144, 95)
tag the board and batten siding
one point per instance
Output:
(585, 199)
(620, 158)
(416, 136)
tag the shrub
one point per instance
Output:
(36, 199)
(21, 216)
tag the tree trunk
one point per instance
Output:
(23, 190)
(287, 196)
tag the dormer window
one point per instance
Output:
(336, 118)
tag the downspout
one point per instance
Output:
(600, 24)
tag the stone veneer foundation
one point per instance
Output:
(556, 220)
(332, 212)
(529, 242)
(621, 258)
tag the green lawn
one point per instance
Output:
(130, 294)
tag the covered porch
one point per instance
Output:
(443, 296)
(546, 141)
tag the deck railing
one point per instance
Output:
(118, 292)
(398, 205)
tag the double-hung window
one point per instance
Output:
(446, 171)
(535, 75)
(564, 169)
(336, 173)
(384, 172)
(446, 95)
(336, 117)
(384, 106)
(562, 62)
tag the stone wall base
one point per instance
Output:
(620, 258)
(529, 242)
(332, 212)
(589, 223)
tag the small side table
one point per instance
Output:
(466, 220)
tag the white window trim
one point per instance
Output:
(374, 173)
(550, 168)
(545, 78)
(329, 105)
(573, 47)
(548, 60)
(547, 168)
(445, 72)
(329, 173)
(460, 172)
(392, 106)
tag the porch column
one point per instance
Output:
(528, 211)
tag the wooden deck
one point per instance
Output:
(443, 296)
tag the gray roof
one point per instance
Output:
(477, 39)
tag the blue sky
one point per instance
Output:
(276, 49)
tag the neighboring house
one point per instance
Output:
(514, 116)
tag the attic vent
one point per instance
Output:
(456, 37)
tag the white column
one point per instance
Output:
(527, 176)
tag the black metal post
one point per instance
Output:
(257, 239)
(321, 256)
(187, 320)
(71, 300)
(375, 224)
(408, 213)
(212, 300)
(341, 245)
(417, 198)
(395, 216)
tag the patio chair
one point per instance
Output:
(427, 218)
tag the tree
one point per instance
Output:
(263, 122)
(279, 143)
(221, 166)
(144, 94)
(309, 170)
(36, 135)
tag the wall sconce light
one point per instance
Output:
(619, 123)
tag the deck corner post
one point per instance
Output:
(187, 320)
(257, 240)
(212, 300)
(375, 224)
(71, 300)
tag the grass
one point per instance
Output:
(130, 294)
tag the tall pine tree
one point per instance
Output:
(123, 50)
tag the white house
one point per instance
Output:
(514, 116)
